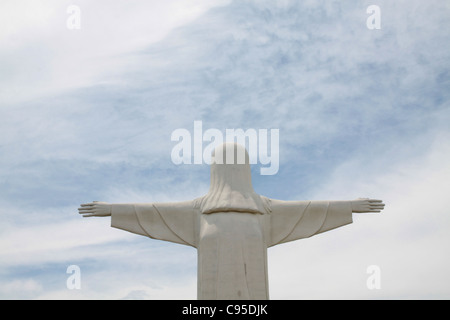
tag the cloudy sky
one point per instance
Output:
(87, 114)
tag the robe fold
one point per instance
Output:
(294, 220)
(174, 222)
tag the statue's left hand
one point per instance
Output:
(95, 209)
(367, 205)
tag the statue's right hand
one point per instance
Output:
(367, 205)
(95, 209)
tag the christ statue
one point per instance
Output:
(231, 226)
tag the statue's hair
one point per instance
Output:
(231, 185)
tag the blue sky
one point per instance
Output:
(88, 114)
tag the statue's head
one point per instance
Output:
(230, 153)
(231, 182)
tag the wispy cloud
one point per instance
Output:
(87, 115)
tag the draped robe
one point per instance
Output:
(231, 227)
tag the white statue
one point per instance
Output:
(231, 226)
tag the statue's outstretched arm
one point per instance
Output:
(293, 220)
(171, 221)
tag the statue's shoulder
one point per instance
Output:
(197, 203)
(267, 203)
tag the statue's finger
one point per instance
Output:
(88, 215)
(87, 204)
(86, 208)
(375, 200)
